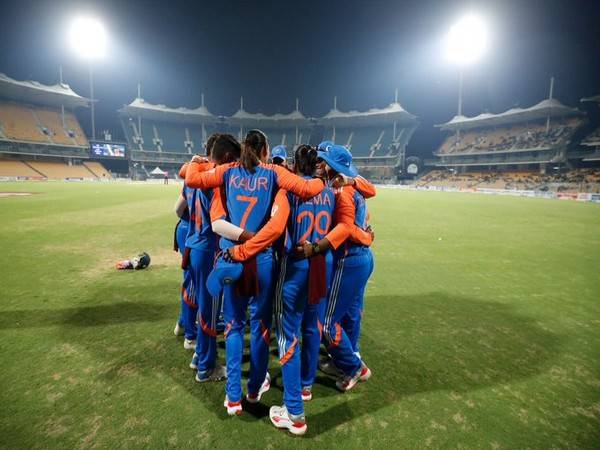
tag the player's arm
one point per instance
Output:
(219, 223)
(297, 185)
(180, 205)
(203, 175)
(268, 233)
(361, 184)
(343, 218)
(183, 170)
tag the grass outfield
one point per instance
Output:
(482, 328)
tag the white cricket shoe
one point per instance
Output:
(219, 373)
(306, 393)
(233, 408)
(255, 398)
(346, 382)
(281, 418)
(328, 367)
(189, 344)
(194, 362)
(178, 331)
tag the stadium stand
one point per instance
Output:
(527, 138)
(98, 170)
(17, 169)
(164, 137)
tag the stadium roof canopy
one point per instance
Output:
(40, 94)
(244, 118)
(545, 108)
(374, 116)
(139, 107)
(593, 98)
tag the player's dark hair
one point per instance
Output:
(225, 149)
(209, 143)
(305, 160)
(254, 144)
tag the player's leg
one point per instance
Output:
(311, 342)
(190, 305)
(289, 303)
(353, 320)
(234, 312)
(208, 311)
(260, 328)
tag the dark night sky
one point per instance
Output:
(272, 52)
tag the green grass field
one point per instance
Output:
(482, 328)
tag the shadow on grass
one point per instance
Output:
(86, 316)
(413, 344)
(438, 342)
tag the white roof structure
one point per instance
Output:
(292, 119)
(40, 94)
(593, 98)
(139, 107)
(374, 116)
(545, 108)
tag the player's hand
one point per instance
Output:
(341, 180)
(371, 232)
(228, 255)
(199, 159)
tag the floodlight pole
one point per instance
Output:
(460, 97)
(92, 101)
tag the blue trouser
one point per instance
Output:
(187, 313)
(201, 263)
(234, 312)
(344, 305)
(294, 316)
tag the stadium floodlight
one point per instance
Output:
(88, 38)
(466, 40)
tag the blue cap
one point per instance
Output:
(325, 146)
(223, 273)
(339, 159)
(279, 151)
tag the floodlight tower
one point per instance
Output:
(465, 43)
(88, 40)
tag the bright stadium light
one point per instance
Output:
(88, 38)
(466, 40)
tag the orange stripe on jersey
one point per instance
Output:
(290, 352)
(338, 336)
(207, 330)
(218, 208)
(266, 335)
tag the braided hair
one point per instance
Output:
(305, 160)
(252, 147)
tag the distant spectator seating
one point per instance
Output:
(16, 169)
(39, 125)
(98, 170)
(511, 138)
(593, 138)
(577, 180)
(52, 170)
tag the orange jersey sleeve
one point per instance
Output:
(218, 209)
(345, 227)
(365, 187)
(269, 232)
(297, 185)
(183, 170)
(343, 217)
(205, 175)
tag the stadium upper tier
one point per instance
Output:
(40, 94)
(35, 124)
(157, 128)
(535, 135)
